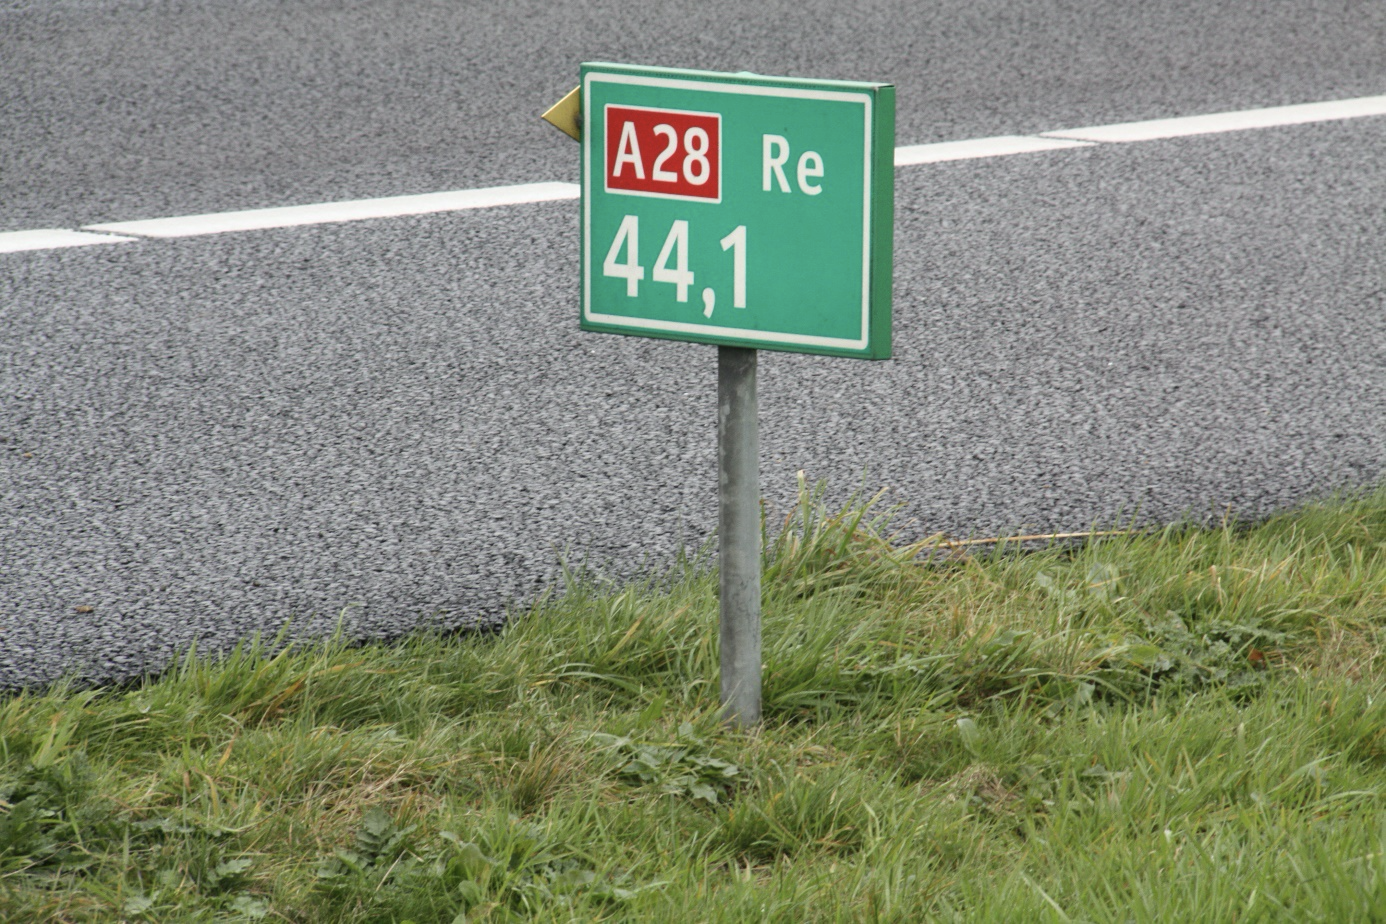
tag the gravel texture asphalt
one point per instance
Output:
(396, 423)
(123, 109)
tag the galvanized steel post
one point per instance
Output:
(738, 496)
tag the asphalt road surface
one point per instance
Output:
(396, 423)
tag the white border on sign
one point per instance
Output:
(606, 185)
(736, 333)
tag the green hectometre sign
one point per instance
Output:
(737, 210)
(747, 212)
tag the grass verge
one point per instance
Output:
(1185, 724)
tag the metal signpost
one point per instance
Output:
(750, 213)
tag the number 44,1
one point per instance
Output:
(678, 275)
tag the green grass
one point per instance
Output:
(1172, 725)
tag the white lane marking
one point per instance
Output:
(1000, 146)
(1228, 121)
(352, 210)
(52, 239)
(909, 155)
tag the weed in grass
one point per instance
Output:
(684, 768)
(378, 845)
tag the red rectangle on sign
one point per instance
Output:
(664, 152)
